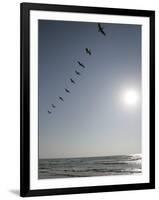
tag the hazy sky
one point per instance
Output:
(93, 120)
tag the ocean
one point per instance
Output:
(89, 166)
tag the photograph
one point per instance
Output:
(87, 99)
(89, 102)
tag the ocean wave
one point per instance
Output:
(86, 167)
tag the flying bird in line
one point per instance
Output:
(61, 98)
(100, 29)
(72, 81)
(68, 91)
(53, 106)
(49, 112)
(88, 51)
(82, 65)
(78, 73)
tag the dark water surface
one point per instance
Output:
(91, 166)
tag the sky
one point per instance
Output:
(93, 120)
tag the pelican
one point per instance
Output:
(53, 106)
(100, 29)
(68, 91)
(78, 73)
(88, 51)
(61, 98)
(82, 65)
(72, 81)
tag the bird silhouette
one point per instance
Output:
(100, 29)
(53, 106)
(78, 73)
(72, 81)
(68, 91)
(82, 65)
(88, 51)
(49, 112)
(61, 98)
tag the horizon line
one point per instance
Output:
(91, 156)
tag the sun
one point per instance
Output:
(130, 97)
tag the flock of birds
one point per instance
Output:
(87, 51)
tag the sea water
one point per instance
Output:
(89, 166)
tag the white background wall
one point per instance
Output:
(9, 98)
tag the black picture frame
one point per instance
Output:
(25, 190)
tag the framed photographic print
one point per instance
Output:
(87, 99)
